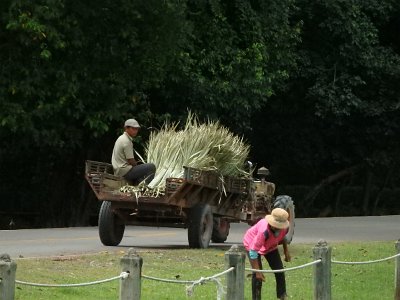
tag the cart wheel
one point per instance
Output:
(286, 202)
(220, 230)
(111, 227)
(200, 226)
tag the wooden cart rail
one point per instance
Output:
(104, 183)
(107, 186)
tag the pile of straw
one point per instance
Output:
(206, 146)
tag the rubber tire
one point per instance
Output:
(220, 231)
(286, 202)
(111, 227)
(200, 226)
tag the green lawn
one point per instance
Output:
(370, 281)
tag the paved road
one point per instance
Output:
(77, 240)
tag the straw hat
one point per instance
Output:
(278, 218)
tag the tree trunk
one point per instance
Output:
(384, 185)
(367, 193)
(313, 194)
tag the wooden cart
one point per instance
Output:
(204, 202)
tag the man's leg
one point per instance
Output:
(141, 172)
(256, 284)
(275, 262)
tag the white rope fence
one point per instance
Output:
(364, 262)
(285, 270)
(193, 283)
(319, 260)
(203, 280)
(167, 280)
(123, 275)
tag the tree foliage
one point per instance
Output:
(70, 65)
(71, 73)
(312, 84)
(341, 107)
(238, 54)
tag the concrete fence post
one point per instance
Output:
(8, 269)
(322, 271)
(397, 273)
(235, 257)
(130, 287)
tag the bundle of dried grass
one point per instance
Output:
(206, 146)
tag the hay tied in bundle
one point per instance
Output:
(205, 146)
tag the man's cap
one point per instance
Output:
(132, 123)
(278, 218)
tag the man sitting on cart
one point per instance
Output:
(123, 159)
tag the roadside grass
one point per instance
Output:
(367, 281)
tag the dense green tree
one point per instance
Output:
(71, 73)
(90, 63)
(238, 54)
(341, 108)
